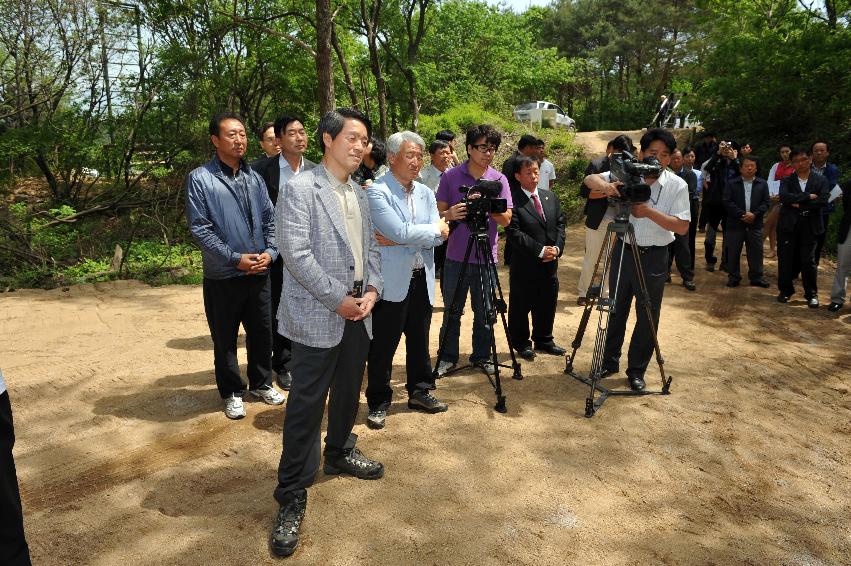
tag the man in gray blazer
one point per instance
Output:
(405, 214)
(332, 280)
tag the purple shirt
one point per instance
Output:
(447, 191)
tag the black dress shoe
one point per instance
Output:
(760, 283)
(284, 538)
(781, 298)
(812, 302)
(636, 382)
(710, 268)
(551, 348)
(354, 463)
(527, 353)
(690, 285)
(732, 283)
(608, 372)
(284, 379)
(833, 307)
(426, 402)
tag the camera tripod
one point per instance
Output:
(619, 228)
(493, 302)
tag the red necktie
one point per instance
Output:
(538, 206)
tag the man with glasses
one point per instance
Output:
(482, 143)
(656, 221)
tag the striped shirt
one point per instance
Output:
(668, 195)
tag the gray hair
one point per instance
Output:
(395, 141)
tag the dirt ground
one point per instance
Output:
(125, 457)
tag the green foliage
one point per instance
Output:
(461, 118)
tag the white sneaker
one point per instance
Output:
(488, 367)
(444, 367)
(269, 395)
(234, 409)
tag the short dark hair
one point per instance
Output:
(282, 123)
(782, 145)
(436, 146)
(750, 157)
(526, 140)
(333, 121)
(688, 149)
(796, 151)
(490, 134)
(660, 134)
(540, 143)
(525, 161)
(444, 135)
(827, 145)
(378, 153)
(216, 121)
(622, 142)
(262, 130)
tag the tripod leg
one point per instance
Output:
(487, 275)
(645, 294)
(454, 312)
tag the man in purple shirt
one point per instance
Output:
(482, 143)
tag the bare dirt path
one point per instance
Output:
(125, 457)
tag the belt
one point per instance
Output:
(418, 271)
(357, 289)
(644, 249)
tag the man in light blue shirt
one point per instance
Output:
(405, 216)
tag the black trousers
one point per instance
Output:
(820, 239)
(751, 238)
(692, 231)
(654, 262)
(229, 302)
(412, 316)
(796, 252)
(334, 374)
(281, 346)
(439, 258)
(679, 250)
(13, 545)
(716, 218)
(533, 289)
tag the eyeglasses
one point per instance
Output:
(485, 148)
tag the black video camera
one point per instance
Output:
(481, 201)
(630, 172)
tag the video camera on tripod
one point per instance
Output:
(481, 201)
(627, 169)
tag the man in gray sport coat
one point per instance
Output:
(332, 279)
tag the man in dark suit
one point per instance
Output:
(535, 242)
(680, 249)
(843, 253)
(802, 198)
(746, 200)
(598, 215)
(721, 168)
(276, 171)
(268, 143)
(527, 146)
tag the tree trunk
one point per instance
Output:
(347, 75)
(370, 17)
(324, 70)
(41, 161)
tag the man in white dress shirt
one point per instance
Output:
(656, 221)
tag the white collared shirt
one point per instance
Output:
(287, 172)
(2, 383)
(748, 188)
(430, 177)
(668, 195)
(547, 174)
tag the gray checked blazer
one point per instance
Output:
(318, 261)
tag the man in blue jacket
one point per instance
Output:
(820, 151)
(405, 215)
(232, 220)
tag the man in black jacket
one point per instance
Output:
(721, 168)
(598, 215)
(535, 241)
(802, 198)
(680, 249)
(843, 252)
(527, 146)
(276, 171)
(746, 199)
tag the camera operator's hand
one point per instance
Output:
(641, 210)
(443, 227)
(613, 189)
(382, 241)
(456, 212)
